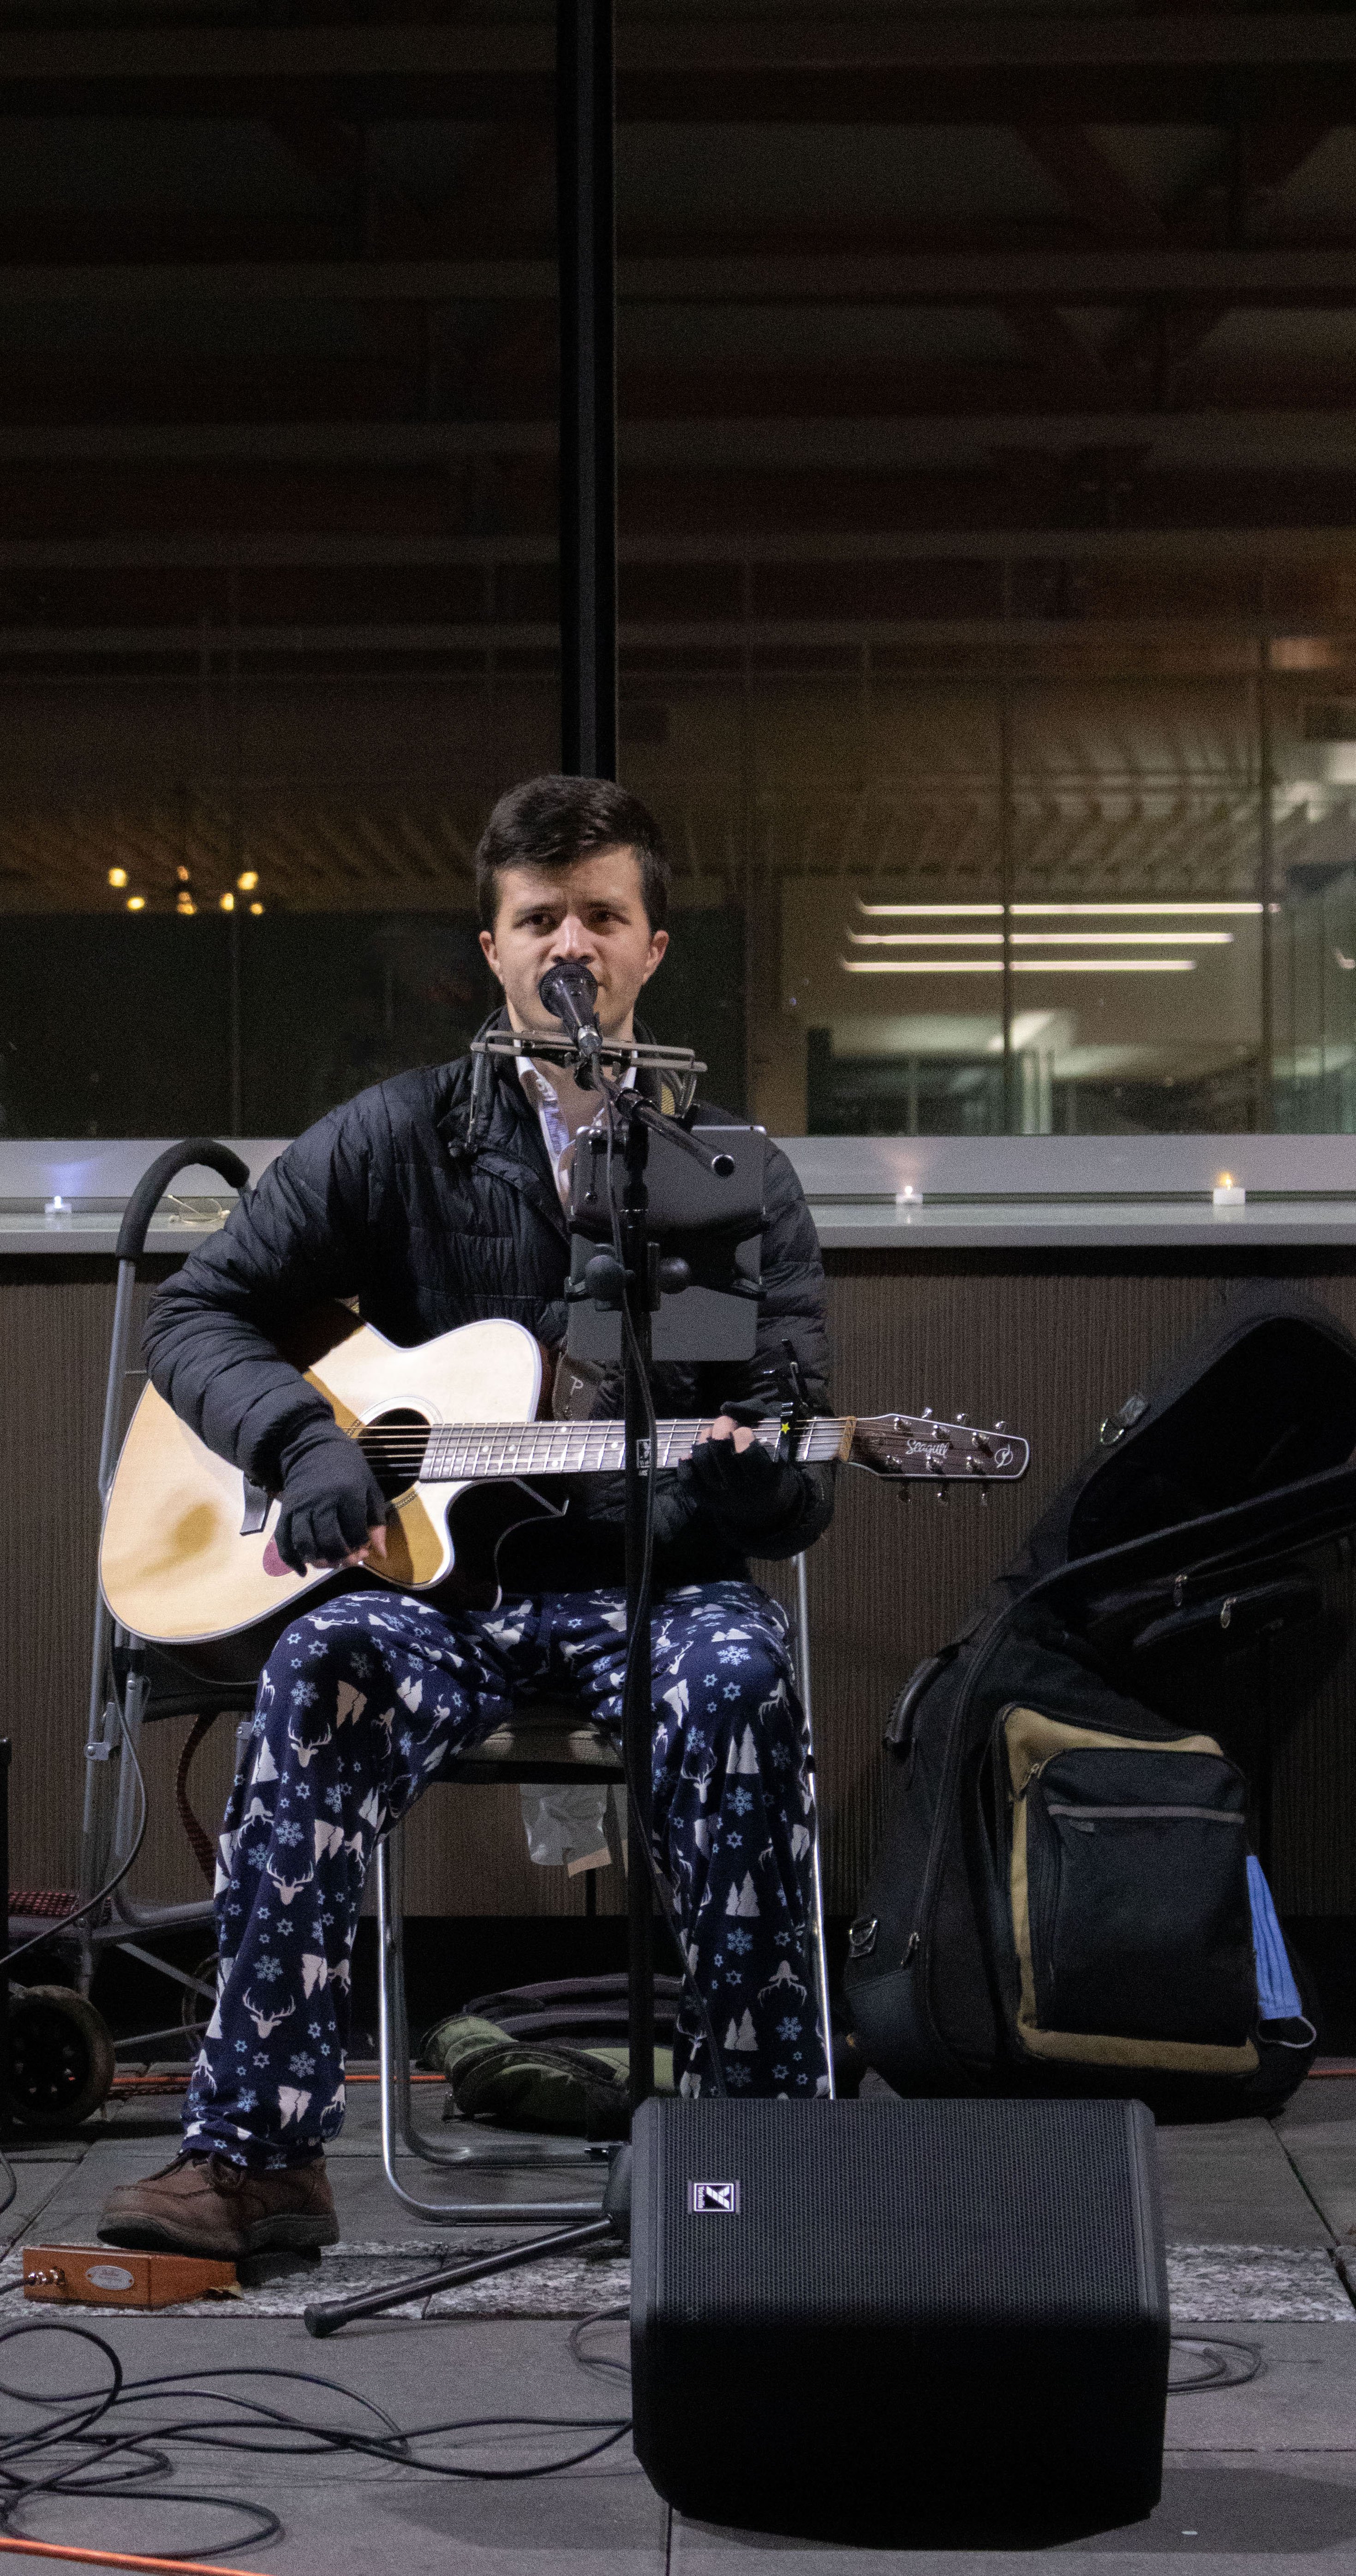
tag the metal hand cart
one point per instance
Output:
(62, 2060)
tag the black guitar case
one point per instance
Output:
(1063, 1899)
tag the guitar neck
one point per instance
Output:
(462, 1452)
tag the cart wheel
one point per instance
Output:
(61, 2061)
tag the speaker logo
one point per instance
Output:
(713, 2199)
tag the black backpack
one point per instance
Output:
(1064, 1898)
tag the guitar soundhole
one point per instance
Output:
(394, 1446)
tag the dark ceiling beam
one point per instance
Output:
(1073, 370)
(1097, 191)
(1303, 437)
(1167, 66)
(1118, 489)
(1160, 344)
(206, 551)
(1286, 277)
(1221, 38)
(541, 637)
(384, 219)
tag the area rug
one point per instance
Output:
(1208, 2284)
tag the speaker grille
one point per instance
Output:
(946, 2209)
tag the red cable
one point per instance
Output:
(120, 2558)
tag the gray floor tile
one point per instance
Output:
(1318, 2132)
(26, 2215)
(1303, 2398)
(1232, 2183)
(343, 2515)
(24, 2150)
(70, 2214)
(368, 2208)
(1219, 2511)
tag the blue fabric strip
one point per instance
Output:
(1278, 1996)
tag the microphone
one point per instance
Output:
(568, 991)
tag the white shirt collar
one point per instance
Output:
(556, 1136)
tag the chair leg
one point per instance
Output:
(816, 1860)
(398, 2131)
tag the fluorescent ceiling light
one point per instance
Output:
(1020, 965)
(1045, 911)
(1072, 910)
(1040, 938)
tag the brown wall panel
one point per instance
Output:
(1048, 1347)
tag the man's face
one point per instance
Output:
(593, 913)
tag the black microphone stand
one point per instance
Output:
(636, 1291)
(637, 1717)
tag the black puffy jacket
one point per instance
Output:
(430, 1200)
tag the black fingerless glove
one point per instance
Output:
(749, 1494)
(330, 1498)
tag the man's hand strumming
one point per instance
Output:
(332, 1508)
(748, 1493)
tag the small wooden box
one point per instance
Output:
(110, 2276)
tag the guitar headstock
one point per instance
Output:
(908, 1447)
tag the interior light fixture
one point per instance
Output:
(117, 877)
(1125, 910)
(227, 902)
(183, 875)
(136, 903)
(1020, 965)
(247, 880)
(256, 907)
(184, 903)
(1039, 938)
(1045, 911)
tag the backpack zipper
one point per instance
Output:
(1208, 1815)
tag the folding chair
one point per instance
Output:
(541, 1743)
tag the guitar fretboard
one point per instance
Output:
(460, 1452)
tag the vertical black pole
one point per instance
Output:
(1005, 851)
(585, 121)
(638, 1712)
(4, 1938)
(1266, 881)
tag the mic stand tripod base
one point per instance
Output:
(326, 2316)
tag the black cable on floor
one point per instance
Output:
(603, 2365)
(102, 2458)
(1219, 2371)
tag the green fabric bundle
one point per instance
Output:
(535, 2084)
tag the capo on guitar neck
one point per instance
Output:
(795, 1407)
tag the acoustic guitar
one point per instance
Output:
(451, 1431)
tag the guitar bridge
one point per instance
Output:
(257, 1500)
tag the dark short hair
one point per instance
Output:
(552, 822)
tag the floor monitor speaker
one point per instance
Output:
(904, 2322)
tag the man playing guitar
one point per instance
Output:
(433, 1200)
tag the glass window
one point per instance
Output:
(979, 655)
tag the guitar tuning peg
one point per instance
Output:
(962, 1418)
(943, 1491)
(1000, 1426)
(984, 1496)
(926, 1415)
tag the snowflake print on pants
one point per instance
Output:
(360, 1705)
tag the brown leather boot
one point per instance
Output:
(204, 2204)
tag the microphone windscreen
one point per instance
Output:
(568, 991)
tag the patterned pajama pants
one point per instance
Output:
(360, 1705)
